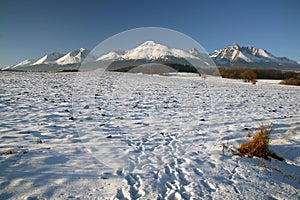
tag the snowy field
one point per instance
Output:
(133, 136)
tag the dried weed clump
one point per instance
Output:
(259, 145)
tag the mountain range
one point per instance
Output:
(251, 57)
(151, 52)
(52, 62)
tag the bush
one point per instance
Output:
(253, 81)
(259, 145)
(248, 76)
(290, 81)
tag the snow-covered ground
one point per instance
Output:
(133, 136)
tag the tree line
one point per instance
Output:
(251, 74)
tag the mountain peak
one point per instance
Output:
(48, 58)
(235, 46)
(150, 50)
(77, 51)
(113, 55)
(149, 43)
(73, 57)
(194, 52)
(82, 49)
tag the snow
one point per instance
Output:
(148, 50)
(23, 63)
(132, 136)
(234, 54)
(50, 58)
(249, 57)
(263, 53)
(182, 54)
(41, 60)
(110, 56)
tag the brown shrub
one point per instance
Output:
(253, 81)
(248, 76)
(259, 145)
(290, 81)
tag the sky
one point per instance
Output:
(33, 28)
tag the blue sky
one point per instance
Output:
(33, 28)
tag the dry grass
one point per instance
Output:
(259, 145)
(249, 133)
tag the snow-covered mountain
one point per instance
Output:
(113, 55)
(26, 62)
(149, 50)
(152, 52)
(73, 57)
(48, 59)
(53, 62)
(234, 55)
